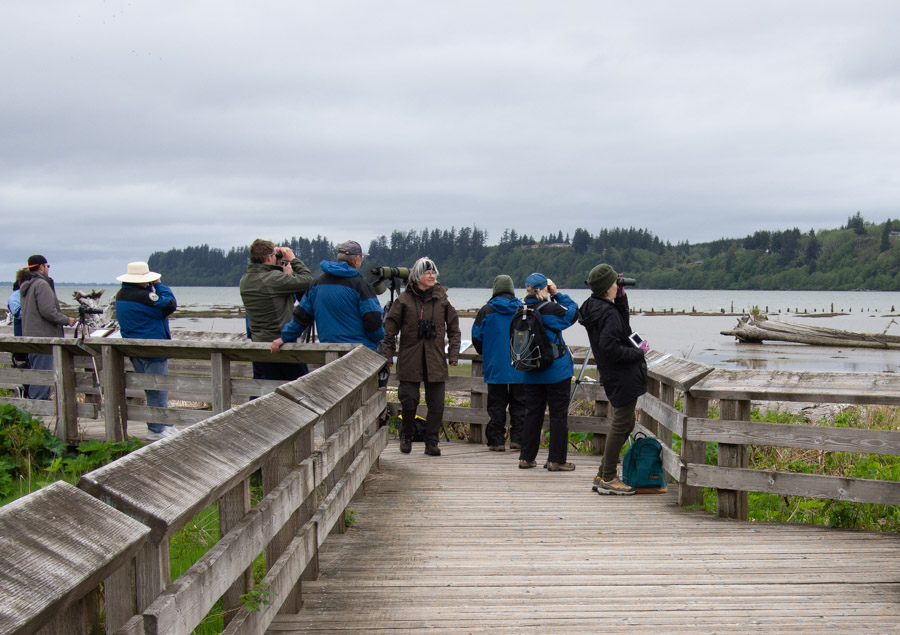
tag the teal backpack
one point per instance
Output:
(642, 467)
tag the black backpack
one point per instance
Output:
(529, 346)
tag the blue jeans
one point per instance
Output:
(39, 361)
(157, 398)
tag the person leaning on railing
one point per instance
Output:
(621, 366)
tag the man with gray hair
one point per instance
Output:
(343, 305)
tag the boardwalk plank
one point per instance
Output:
(468, 543)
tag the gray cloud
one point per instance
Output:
(133, 128)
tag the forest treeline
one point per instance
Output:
(859, 255)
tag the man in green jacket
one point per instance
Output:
(275, 278)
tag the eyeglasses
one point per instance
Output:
(429, 272)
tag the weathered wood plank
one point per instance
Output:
(823, 438)
(855, 490)
(42, 408)
(784, 385)
(434, 548)
(167, 483)
(188, 599)
(56, 545)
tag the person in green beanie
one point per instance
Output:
(620, 364)
(505, 384)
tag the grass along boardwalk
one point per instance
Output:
(469, 543)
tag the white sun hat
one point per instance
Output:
(139, 272)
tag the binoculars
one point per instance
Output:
(626, 282)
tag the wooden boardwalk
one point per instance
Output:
(468, 543)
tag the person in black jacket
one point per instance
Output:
(621, 366)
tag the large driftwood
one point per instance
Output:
(752, 328)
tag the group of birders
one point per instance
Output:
(527, 395)
(283, 301)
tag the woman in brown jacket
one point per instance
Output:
(424, 318)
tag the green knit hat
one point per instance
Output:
(503, 284)
(601, 278)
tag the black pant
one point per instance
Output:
(499, 397)
(408, 394)
(537, 398)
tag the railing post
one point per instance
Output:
(233, 506)
(692, 452)
(733, 503)
(115, 410)
(306, 444)
(646, 420)
(151, 572)
(66, 403)
(477, 402)
(280, 463)
(220, 366)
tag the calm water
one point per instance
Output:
(692, 337)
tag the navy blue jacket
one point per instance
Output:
(143, 312)
(621, 364)
(556, 316)
(343, 305)
(490, 336)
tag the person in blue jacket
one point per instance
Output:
(143, 307)
(505, 384)
(549, 387)
(342, 303)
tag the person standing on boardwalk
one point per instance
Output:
(143, 307)
(549, 387)
(343, 304)
(423, 317)
(41, 316)
(274, 278)
(505, 384)
(621, 365)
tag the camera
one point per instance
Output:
(626, 282)
(380, 275)
(426, 330)
(88, 310)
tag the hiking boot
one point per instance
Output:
(560, 467)
(515, 446)
(615, 487)
(524, 465)
(405, 444)
(497, 448)
(432, 450)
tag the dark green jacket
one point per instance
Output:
(268, 296)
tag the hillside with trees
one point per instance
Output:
(859, 255)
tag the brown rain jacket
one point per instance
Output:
(418, 354)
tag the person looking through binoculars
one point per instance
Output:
(342, 303)
(620, 364)
(423, 318)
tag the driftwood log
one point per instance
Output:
(756, 329)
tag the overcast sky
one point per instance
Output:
(133, 127)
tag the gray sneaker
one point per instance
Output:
(614, 487)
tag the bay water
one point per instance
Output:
(692, 337)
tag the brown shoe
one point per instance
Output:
(515, 446)
(432, 450)
(405, 444)
(614, 487)
(497, 448)
(560, 467)
(524, 465)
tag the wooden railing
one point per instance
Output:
(93, 379)
(697, 386)
(62, 542)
